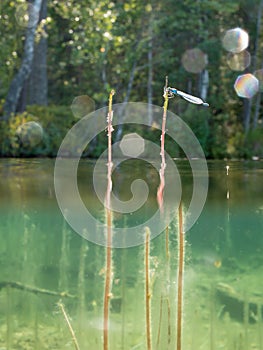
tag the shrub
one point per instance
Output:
(55, 122)
(254, 143)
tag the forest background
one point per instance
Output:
(68, 49)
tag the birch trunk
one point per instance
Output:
(25, 68)
(258, 100)
(150, 71)
(38, 86)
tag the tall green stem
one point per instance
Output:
(108, 277)
(162, 153)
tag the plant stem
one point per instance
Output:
(147, 289)
(165, 297)
(160, 192)
(259, 314)
(162, 153)
(160, 323)
(167, 251)
(81, 289)
(20, 286)
(64, 258)
(180, 277)
(73, 336)
(107, 287)
(8, 319)
(108, 277)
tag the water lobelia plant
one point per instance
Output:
(108, 214)
(160, 199)
(169, 93)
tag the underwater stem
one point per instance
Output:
(160, 323)
(180, 277)
(167, 251)
(147, 289)
(108, 277)
(107, 287)
(73, 336)
(8, 319)
(35, 290)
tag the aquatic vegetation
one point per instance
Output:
(108, 266)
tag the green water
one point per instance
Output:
(38, 250)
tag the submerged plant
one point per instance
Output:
(180, 277)
(165, 297)
(71, 330)
(147, 289)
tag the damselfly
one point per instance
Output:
(197, 100)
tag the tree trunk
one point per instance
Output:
(258, 100)
(38, 86)
(126, 100)
(204, 82)
(25, 68)
(257, 109)
(150, 70)
(248, 104)
(247, 112)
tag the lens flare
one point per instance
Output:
(132, 145)
(235, 40)
(239, 61)
(82, 105)
(259, 75)
(26, 15)
(194, 60)
(30, 134)
(246, 85)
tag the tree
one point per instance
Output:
(23, 73)
(38, 84)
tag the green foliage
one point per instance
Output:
(198, 120)
(254, 143)
(95, 46)
(10, 142)
(55, 121)
(235, 145)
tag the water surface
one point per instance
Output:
(223, 285)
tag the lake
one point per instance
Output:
(49, 272)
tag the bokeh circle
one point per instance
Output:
(194, 60)
(246, 85)
(235, 40)
(27, 15)
(30, 133)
